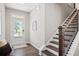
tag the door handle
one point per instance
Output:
(23, 30)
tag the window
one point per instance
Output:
(18, 26)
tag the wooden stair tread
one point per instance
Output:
(52, 48)
(69, 31)
(64, 25)
(73, 24)
(48, 53)
(74, 21)
(57, 43)
(71, 27)
(66, 22)
(55, 38)
(54, 42)
(66, 34)
(58, 38)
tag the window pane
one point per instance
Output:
(18, 26)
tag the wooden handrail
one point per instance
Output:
(70, 21)
(61, 33)
(68, 16)
(74, 34)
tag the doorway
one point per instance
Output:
(17, 31)
(17, 28)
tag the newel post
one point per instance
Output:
(61, 41)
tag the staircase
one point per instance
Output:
(62, 40)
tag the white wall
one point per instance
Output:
(76, 53)
(77, 5)
(8, 24)
(37, 38)
(55, 14)
(48, 17)
(2, 8)
(2, 36)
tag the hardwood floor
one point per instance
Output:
(25, 51)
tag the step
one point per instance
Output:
(46, 52)
(69, 31)
(66, 41)
(58, 38)
(73, 24)
(52, 48)
(76, 17)
(71, 27)
(54, 42)
(52, 51)
(55, 38)
(66, 34)
(74, 21)
(66, 22)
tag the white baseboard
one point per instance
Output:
(19, 46)
(39, 49)
(34, 45)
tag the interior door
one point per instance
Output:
(17, 30)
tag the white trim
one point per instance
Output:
(34, 45)
(41, 49)
(19, 46)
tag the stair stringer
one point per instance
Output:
(74, 45)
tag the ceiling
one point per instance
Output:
(27, 7)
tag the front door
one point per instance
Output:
(17, 30)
